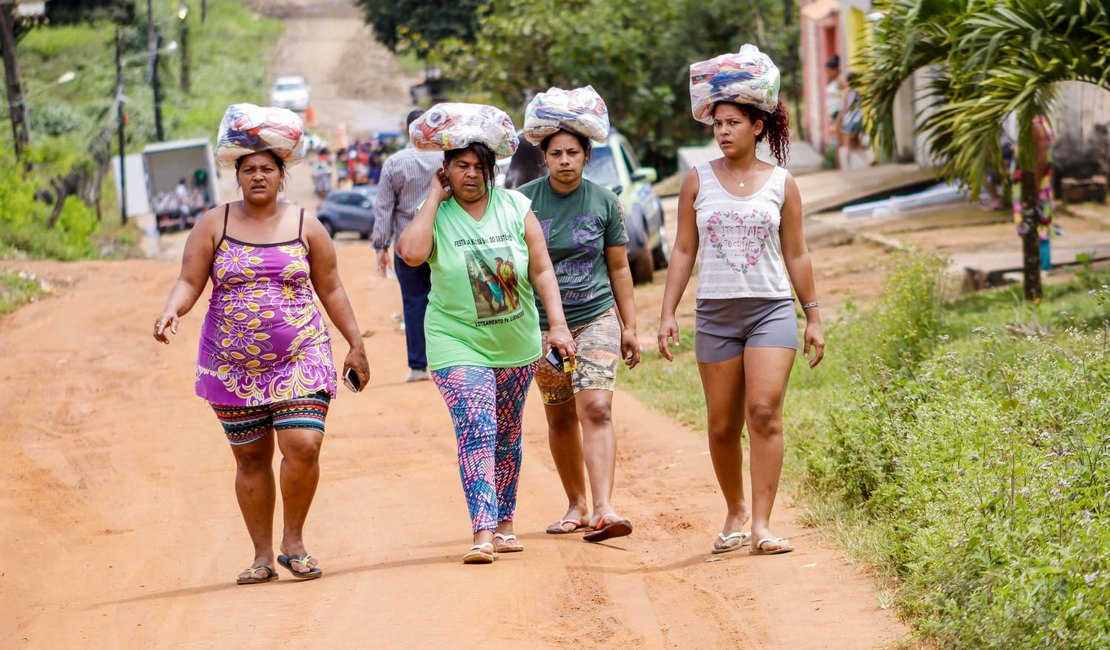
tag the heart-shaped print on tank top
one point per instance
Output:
(739, 240)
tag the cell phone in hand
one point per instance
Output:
(554, 358)
(352, 377)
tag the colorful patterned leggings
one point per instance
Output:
(486, 406)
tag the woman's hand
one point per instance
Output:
(440, 189)
(558, 337)
(166, 320)
(815, 338)
(630, 347)
(356, 359)
(668, 331)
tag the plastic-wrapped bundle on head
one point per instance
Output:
(747, 77)
(456, 125)
(580, 111)
(247, 129)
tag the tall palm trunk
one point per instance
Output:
(1030, 238)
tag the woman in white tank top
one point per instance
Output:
(744, 216)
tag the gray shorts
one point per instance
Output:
(724, 327)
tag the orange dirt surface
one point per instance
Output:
(121, 528)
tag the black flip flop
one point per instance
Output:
(253, 578)
(287, 562)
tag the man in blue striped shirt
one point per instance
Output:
(402, 187)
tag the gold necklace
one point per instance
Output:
(736, 178)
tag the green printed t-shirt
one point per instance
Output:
(481, 309)
(579, 226)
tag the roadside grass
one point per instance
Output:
(17, 290)
(229, 58)
(960, 449)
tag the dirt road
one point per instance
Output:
(121, 530)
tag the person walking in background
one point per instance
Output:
(405, 178)
(322, 172)
(834, 92)
(746, 216)
(1043, 137)
(482, 358)
(265, 360)
(584, 227)
(851, 153)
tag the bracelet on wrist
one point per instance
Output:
(811, 305)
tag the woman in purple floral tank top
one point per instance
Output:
(265, 362)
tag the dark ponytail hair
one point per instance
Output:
(487, 162)
(776, 127)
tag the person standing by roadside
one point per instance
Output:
(583, 225)
(1045, 206)
(404, 183)
(482, 358)
(746, 217)
(265, 359)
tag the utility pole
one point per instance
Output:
(155, 81)
(183, 16)
(16, 105)
(122, 117)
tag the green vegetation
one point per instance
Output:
(962, 449)
(18, 290)
(73, 125)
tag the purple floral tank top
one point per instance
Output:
(263, 340)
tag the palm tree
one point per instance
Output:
(989, 58)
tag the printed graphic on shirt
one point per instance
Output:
(493, 283)
(739, 240)
(575, 267)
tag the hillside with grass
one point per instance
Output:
(59, 201)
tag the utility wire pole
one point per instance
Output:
(155, 81)
(122, 117)
(16, 106)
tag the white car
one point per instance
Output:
(290, 92)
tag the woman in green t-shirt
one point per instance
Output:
(586, 238)
(482, 327)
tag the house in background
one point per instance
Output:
(1081, 117)
(843, 28)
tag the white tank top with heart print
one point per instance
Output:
(739, 247)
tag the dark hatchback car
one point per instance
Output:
(349, 211)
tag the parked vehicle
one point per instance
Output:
(180, 182)
(613, 165)
(349, 211)
(290, 92)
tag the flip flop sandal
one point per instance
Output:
(479, 555)
(725, 543)
(782, 544)
(288, 561)
(617, 527)
(507, 543)
(253, 577)
(559, 528)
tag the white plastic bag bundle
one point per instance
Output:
(580, 111)
(247, 129)
(456, 125)
(747, 77)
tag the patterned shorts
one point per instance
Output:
(599, 352)
(247, 424)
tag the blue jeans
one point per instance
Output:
(416, 282)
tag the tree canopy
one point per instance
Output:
(421, 24)
(635, 53)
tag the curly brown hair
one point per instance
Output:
(776, 127)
